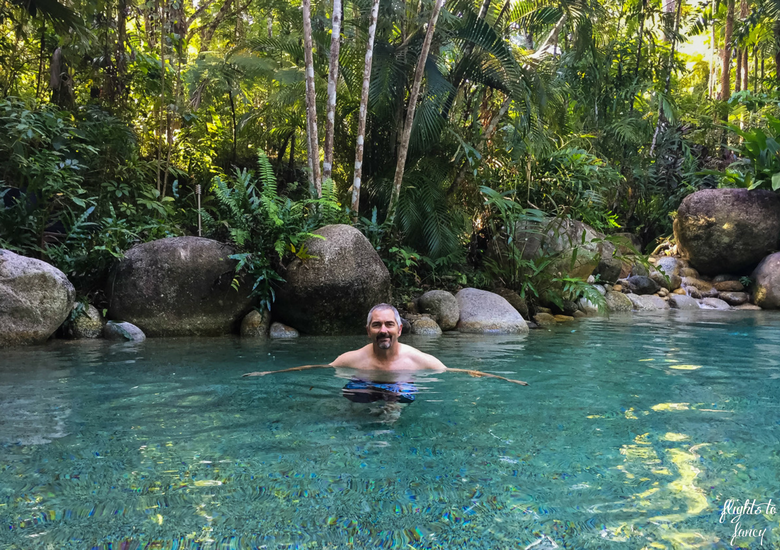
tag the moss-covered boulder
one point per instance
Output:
(180, 286)
(332, 292)
(35, 298)
(766, 292)
(727, 230)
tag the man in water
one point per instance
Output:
(384, 367)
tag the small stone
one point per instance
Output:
(640, 284)
(544, 319)
(255, 324)
(681, 301)
(617, 288)
(541, 309)
(591, 279)
(699, 283)
(639, 270)
(578, 314)
(117, 330)
(618, 302)
(663, 292)
(563, 318)
(278, 330)
(729, 286)
(609, 287)
(689, 272)
(734, 298)
(747, 307)
(87, 324)
(425, 326)
(679, 291)
(714, 303)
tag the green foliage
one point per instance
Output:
(759, 167)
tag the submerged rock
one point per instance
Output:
(425, 326)
(727, 230)
(486, 312)
(647, 302)
(442, 306)
(180, 286)
(35, 299)
(117, 330)
(767, 282)
(544, 319)
(747, 307)
(678, 301)
(333, 291)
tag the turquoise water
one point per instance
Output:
(632, 434)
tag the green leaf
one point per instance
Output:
(776, 182)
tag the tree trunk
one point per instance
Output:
(333, 78)
(745, 71)
(121, 57)
(713, 51)
(738, 72)
(363, 113)
(639, 50)
(725, 75)
(418, 76)
(291, 163)
(311, 100)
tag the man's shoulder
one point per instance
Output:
(425, 360)
(348, 358)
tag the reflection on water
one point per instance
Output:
(633, 433)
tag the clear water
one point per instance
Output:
(632, 434)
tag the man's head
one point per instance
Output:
(384, 325)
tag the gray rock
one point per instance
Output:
(578, 314)
(748, 307)
(640, 285)
(281, 331)
(669, 265)
(35, 299)
(88, 323)
(680, 301)
(425, 326)
(667, 273)
(442, 306)
(486, 312)
(647, 302)
(727, 230)
(617, 302)
(689, 272)
(703, 289)
(560, 237)
(587, 307)
(608, 269)
(514, 298)
(256, 324)
(117, 330)
(639, 270)
(601, 288)
(180, 286)
(723, 278)
(714, 303)
(734, 298)
(766, 292)
(333, 292)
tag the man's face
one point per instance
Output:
(383, 330)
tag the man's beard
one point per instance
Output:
(385, 344)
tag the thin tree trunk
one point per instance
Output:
(776, 30)
(738, 79)
(121, 58)
(713, 51)
(333, 77)
(725, 75)
(291, 163)
(755, 69)
(40, 62)
(363, 113)
(745, 71)
(311, 100)
(418, 76)
(639, 50)
(162, 94)
(668, 83)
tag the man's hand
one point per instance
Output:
(256, 374)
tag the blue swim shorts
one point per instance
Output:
(361, 391)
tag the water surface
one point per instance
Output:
(633, 433)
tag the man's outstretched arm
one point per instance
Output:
(303, 367)
(433, 363)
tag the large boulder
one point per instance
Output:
(332, 292)
(486, 312)
(559, 238)
(727, 230)
(442, 306)
(766, 293)
(180, 286)
(35, 298)
(647, 302)
(617, 302)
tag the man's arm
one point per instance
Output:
(431, 362)
(303, 367)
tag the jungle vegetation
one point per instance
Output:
(411, 120)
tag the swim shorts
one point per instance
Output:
(361, 391)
